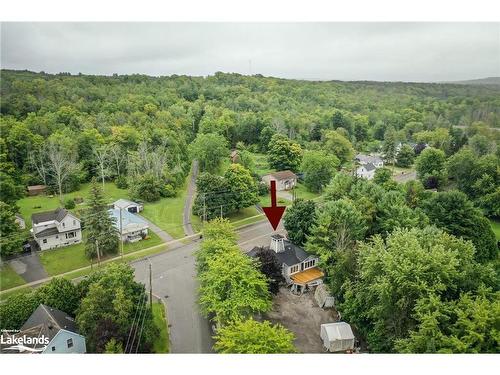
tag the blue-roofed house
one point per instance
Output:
(132, 227)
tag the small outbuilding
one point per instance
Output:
(126, 205)
(337, 337)
(20, 221)
(36, 190)
(323, 297)
(285, 180)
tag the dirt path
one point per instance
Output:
(188, 204)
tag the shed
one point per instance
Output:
(36, 189)
(323, 297)
(337, 337)
(125, 204)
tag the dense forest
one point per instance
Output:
(413, 266)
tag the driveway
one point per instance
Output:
(188, 204)
(29, 267)
(156, 229)
(405, 176)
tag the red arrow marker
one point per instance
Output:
(274, 213)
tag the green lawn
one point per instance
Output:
(9, 278)
(261, 165)
(17, 292)
(30, 205)
(167, 213)
(495, 225)
(302, 192)
(65, 259)
(160, 345)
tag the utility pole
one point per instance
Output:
(204, 207)
(98, 254)
(221, 211)
(150, 286)
(121, 233)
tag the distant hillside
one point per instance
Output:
(480, 81)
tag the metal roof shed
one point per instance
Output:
(337, 337)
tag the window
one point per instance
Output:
(44, 240)
(309, 264)
(53, 348)
(294, 269)
(64, 224)
(70, 235)
(57, 236)
(74, 222)
(69, 342)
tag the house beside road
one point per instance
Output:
(57, 228)
(133, 228)
(285, 180)
(297, 266)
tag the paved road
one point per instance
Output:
(29, 267)
(404, 177)
(156, 229)
(188, 204)
(174, 281)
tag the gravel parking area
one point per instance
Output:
(302, 316)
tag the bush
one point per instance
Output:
(121, 182)
(169, 191)
(263, 189)
(69, 204)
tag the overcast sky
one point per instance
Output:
(343, 51)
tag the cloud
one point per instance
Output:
(344, 51)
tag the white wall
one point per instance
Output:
(59, 240)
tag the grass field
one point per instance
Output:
(261, 164)
(161, 343)
(495, 225)
(65, 259)
(9, 278)
(30, 205)
(167, 213)
(302, 192)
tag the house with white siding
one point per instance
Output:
(57, 228)
(132, 227)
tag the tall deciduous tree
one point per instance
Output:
(61, 165)
(381, 301)
(405, 156)
(209, 149)
(299, 220)
(283, 153)
(338, 145)
(454, 212)
(430, 166)
(252, 337)
(318, 168)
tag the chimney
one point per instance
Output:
(277, 243)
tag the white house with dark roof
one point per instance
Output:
(47, 331)
(56, 228)
(367, 165)
(366, 171)
(285, 180)
(299, 268)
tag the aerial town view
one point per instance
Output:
(195, 188)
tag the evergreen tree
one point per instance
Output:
(99, 225)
